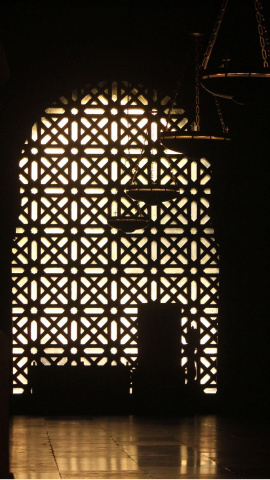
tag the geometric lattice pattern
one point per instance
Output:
(77, 282)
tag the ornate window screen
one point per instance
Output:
(76, 281)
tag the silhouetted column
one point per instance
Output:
(241, 215)
(159, 377)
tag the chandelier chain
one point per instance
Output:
(214, 35)
(225, 129)
(197, 85)
(263, 34)
(173, 101)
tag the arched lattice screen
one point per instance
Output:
(76, 281)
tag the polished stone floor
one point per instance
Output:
(204, 446)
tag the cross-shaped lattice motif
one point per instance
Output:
(77, 282)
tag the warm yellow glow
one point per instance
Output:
(84, 155)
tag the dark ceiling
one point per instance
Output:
(147, 39)
(56, 45)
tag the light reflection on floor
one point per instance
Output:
(135, 447)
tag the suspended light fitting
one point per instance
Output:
(196, 142)
(129, 223)
(154, 193)
(229, 79)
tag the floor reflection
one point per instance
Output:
(134, 447)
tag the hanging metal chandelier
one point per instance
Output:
(129, 223)
(153, 193)
(196, 142)
(238, 77)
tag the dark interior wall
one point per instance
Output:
(54, 46)
(5, 348)
(241, 199)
